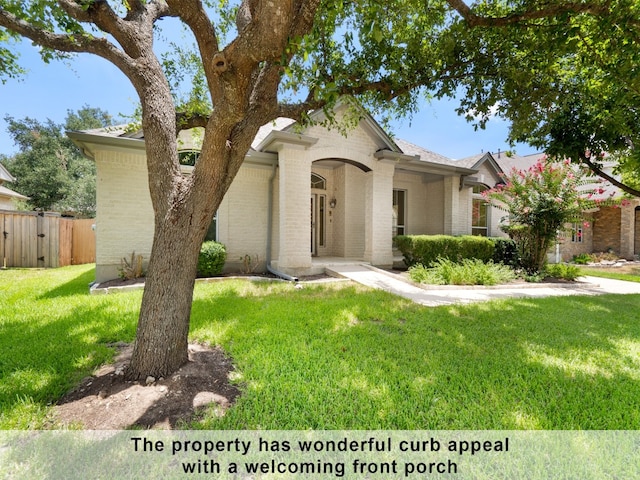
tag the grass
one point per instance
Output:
(630, 275)
(341, 356)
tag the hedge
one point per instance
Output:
(426, 249)
(211, 259)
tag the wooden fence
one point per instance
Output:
(37, 239)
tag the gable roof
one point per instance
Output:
(6, 192)
(5, 176)
(409, 148)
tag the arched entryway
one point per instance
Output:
(338, 208)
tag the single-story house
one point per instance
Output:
(8, 197)
(613, 227)
(304, 197)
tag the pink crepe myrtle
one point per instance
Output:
(540, 202)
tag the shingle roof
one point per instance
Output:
(424, 154)
(278, 124)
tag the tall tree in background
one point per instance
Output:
(49, 168)
(284, 58)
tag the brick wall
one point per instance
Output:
(606, 230)
(124, 215)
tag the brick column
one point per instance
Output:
(451, 204)
(627, 231)
(295, 211)
(457, 207)
(378, 249)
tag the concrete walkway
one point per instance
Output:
(446, 295)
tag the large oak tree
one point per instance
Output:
(284, 58)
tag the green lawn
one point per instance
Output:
(341, 356)
(631, 275)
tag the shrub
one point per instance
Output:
(470, 271)
(427, 249)
(132, 268)
(583, 259)
(563, 270)
(505, 252)
(540, 202)
(211, 259)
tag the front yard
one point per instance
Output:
(340, 356)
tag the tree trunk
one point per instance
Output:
(163, 326)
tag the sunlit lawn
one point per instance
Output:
(340, 356)
(629, 274)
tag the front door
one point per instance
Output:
(318, 228)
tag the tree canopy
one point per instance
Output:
(49, 168)
(568, 83)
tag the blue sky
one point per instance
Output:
(49, 90)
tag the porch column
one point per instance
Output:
(457, 207)
(378, 248)
(295, 214)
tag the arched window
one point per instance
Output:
(318, 182)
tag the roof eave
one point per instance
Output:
(276, 139)
(414, 162)
(87, 142)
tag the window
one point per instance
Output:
(188, 157)
(399, 212)
(576, 233)
(212, 233)
(479, 213)
(318, 182)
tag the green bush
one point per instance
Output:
(427, 249)
(505, 251)
(563, 270)
(211, 259)
(470, 271)
(582, 259)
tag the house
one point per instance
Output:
(8, 197)
(304, 197)
(610, 227)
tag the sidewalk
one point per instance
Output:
(433, 296)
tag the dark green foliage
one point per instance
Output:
(505, 252)
(211, 259)
(49, 168)
(426, 249)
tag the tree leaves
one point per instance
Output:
(49, 168)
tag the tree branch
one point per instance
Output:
(66, 43)
(102, 16)
(598, 171)
(549, 10)
(185, 120)
(192, 13)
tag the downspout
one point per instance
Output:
(270, 269)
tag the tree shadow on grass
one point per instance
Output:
(75, 286)
(354, 360)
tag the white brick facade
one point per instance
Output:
(361, 170)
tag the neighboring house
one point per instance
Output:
(303, 199)
(611, 227)
(8, 196)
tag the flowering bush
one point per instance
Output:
(540, 201)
